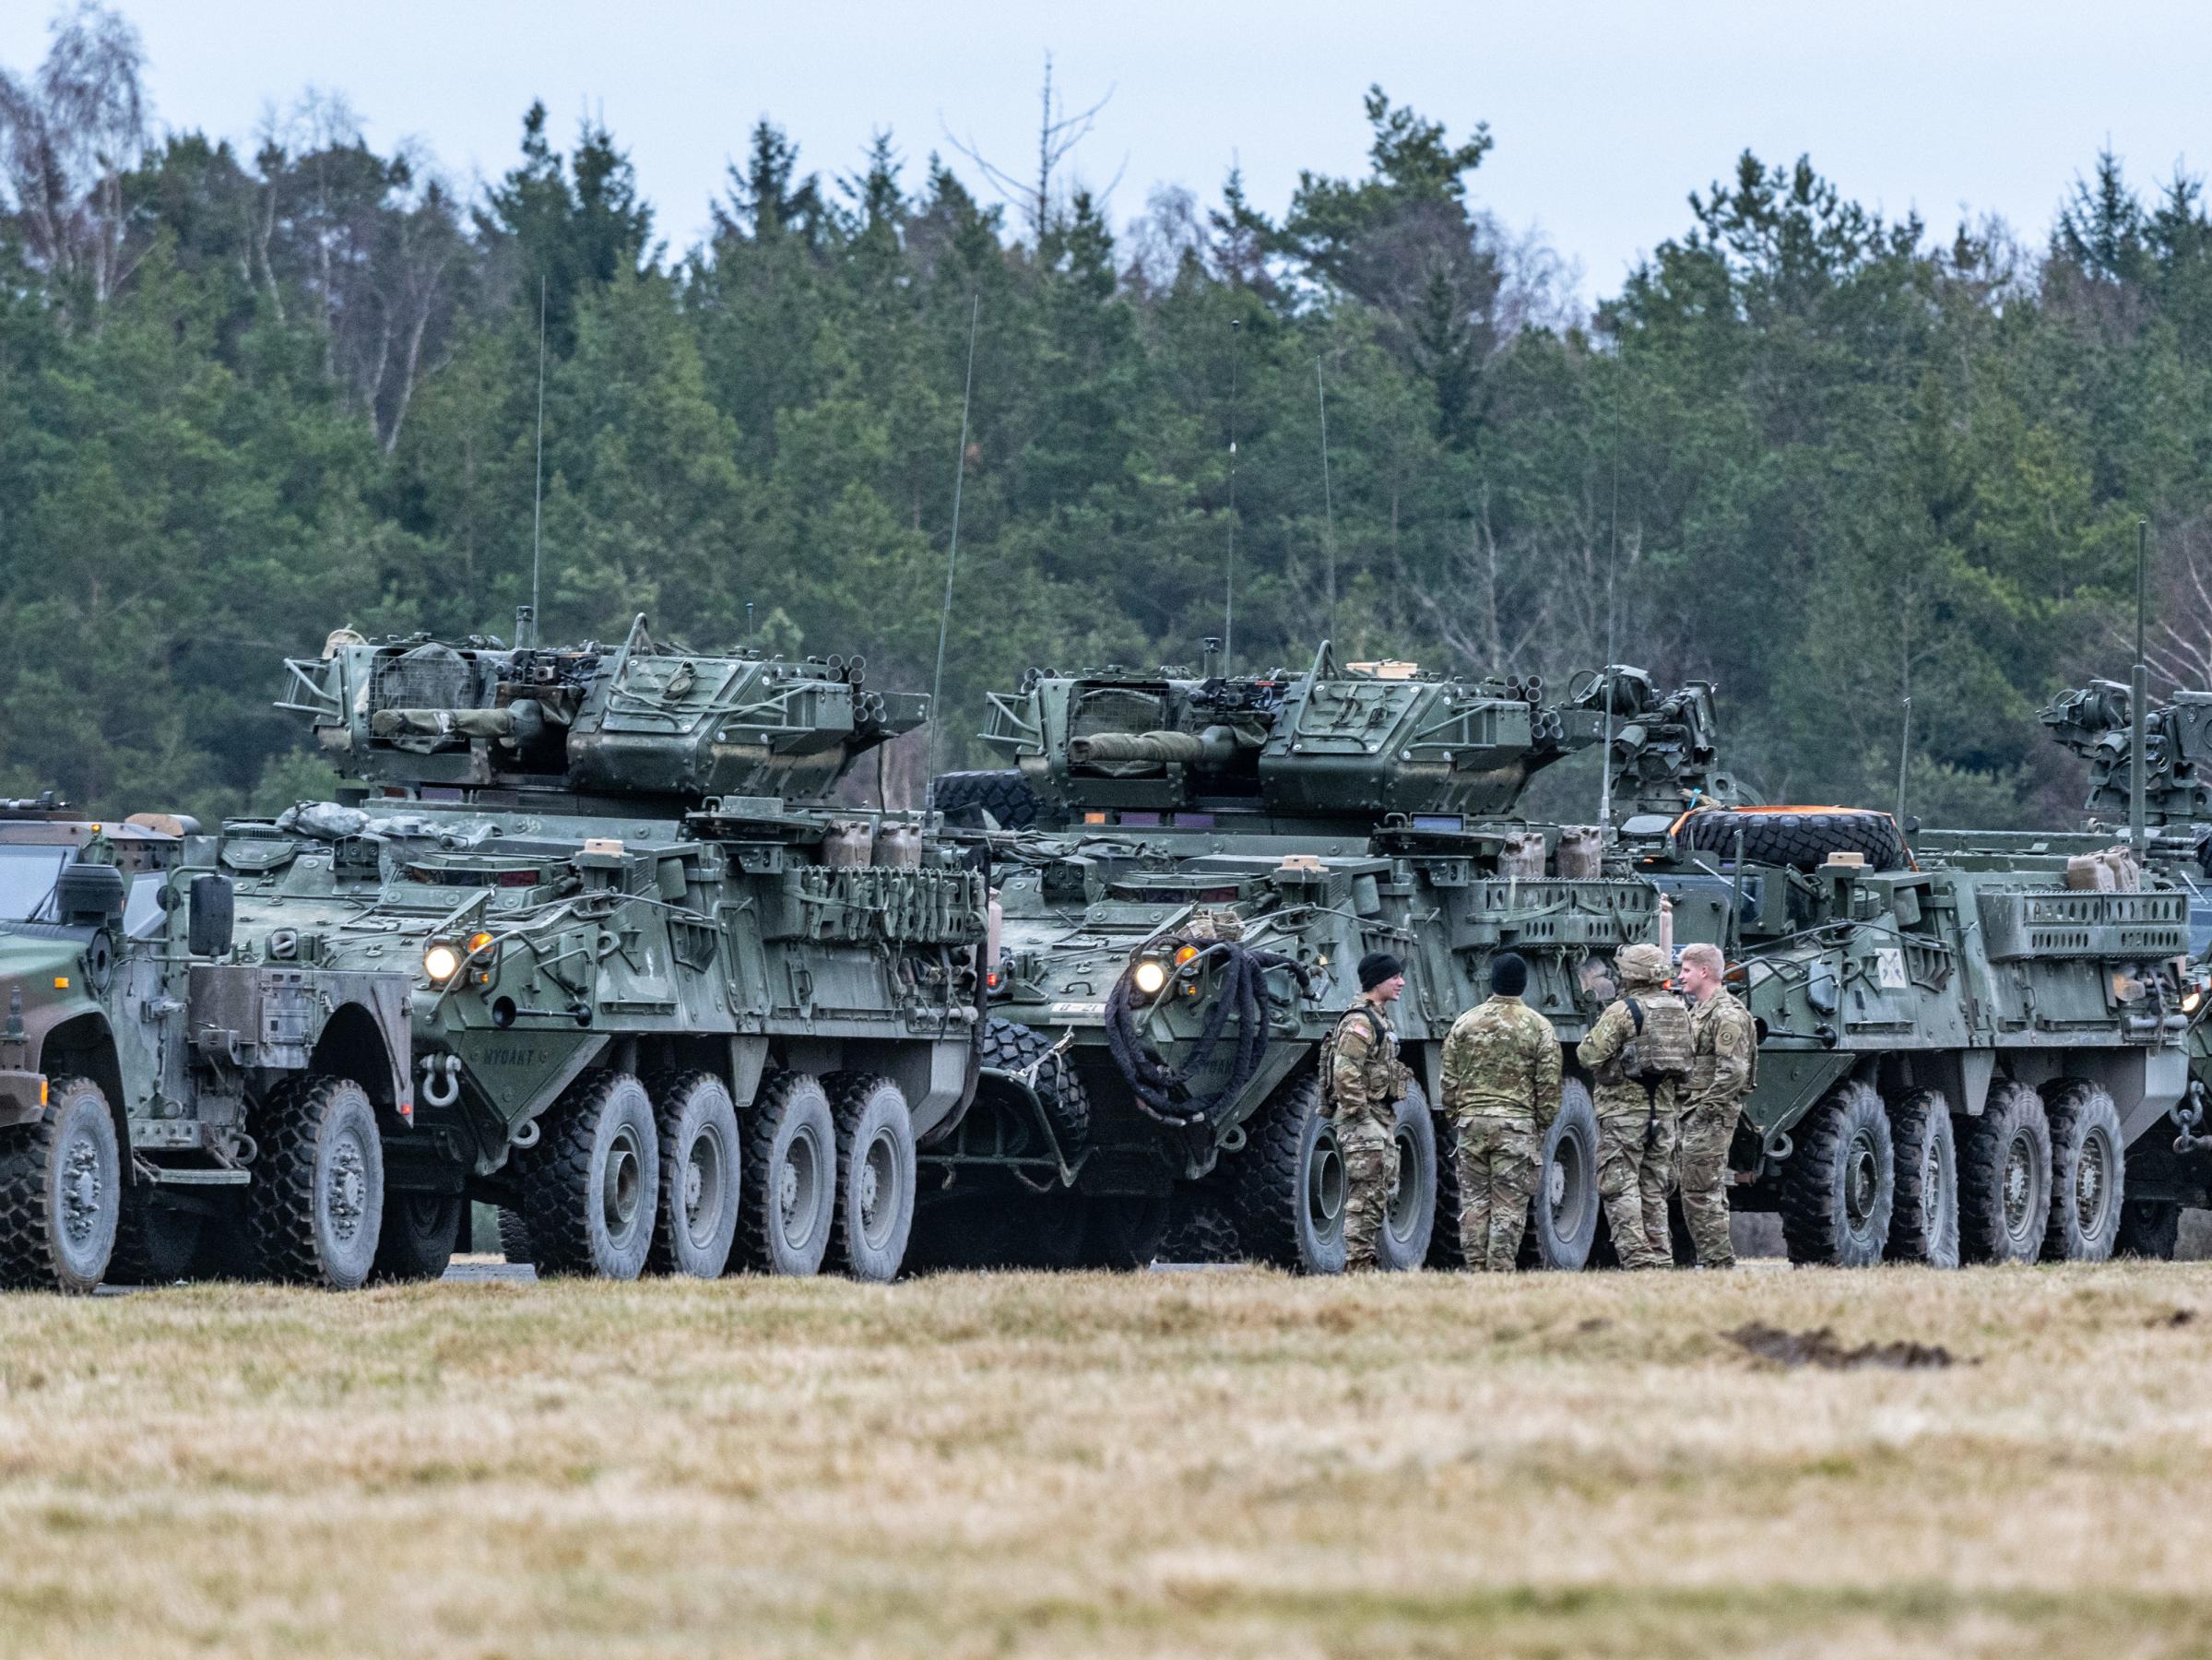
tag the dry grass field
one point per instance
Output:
(1228, 1463)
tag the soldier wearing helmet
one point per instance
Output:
(1638, 1054)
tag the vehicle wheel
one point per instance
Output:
(787, 1178)
(1444, 1251)
(589, 1185)
(1564, 1220)
(696, 1221)
(1200, 1228)
(2150, 1227)
(155, 1242)
(1409, 1215)
(1924, 1226)
(61, 1192)
(419, 1234)
(2089, 1172)
(515, 1237)
(876, 1178)
(2004, 1179)
(315, 1209)
(965, 797)
(1009, 1046)
(1124, 1231)
(1290, 1182)
(1840, 1187)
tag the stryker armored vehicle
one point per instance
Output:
(1971, 1047)
(1959, 1051)
(147, 1068)
(658, 1007)
(1189, 868)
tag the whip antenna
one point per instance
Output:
(1613, 562)
(1904, 754)
(1228, 569)
(944, 617)
(1327, 507)
(538, 477)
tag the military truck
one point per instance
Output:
(1189, 868)
(148, 1068)
(664, 1005)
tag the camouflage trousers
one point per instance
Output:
(1701, 1169)
(1370, 1149)
(1497, 1162)
(1633, 1180)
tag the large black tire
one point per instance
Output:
(155, 1242)
(1801, 839)
(876, 1177)
(787, 1178)
(2150, 1227)
(61, 1192)
(418, 1234)
(2089, 1172)
(695, 1222)
(1008, 1047)
(589, 1186)
(2004, 1178)
(1200, 1229)
(1840, 1187)
(1409, 1219)
(965, 797)
(1290, 1182)
(1924, 1228)
(1564, 1217)
(515, 1237)
(314, 1210)
(1124, 1231)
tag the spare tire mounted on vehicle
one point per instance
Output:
(1802, 839)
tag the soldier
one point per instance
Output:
(1501, 1091)
(1637, 1053)
(1364, 1081)
(1724, 1058)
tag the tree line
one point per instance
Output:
(1828, 459)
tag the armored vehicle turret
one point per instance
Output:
(1189, 869)
(667, 1005)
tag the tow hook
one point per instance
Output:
(440, 1079)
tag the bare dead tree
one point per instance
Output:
(1057, 134)
(68, 136)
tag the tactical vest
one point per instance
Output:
(1663, 1049)
(1382, 1044)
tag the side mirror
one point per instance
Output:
(212, 917)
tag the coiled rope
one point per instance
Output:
(1163, 1092)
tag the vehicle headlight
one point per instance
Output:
(441, 962)
(2190, 1003)
(1149, 975)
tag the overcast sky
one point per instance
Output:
(1605, 115)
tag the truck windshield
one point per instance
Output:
(27, 879)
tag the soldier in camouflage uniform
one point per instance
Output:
(1725, 1044)
(1635, 1125)
(1501, 1091)
(1363, 1083)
